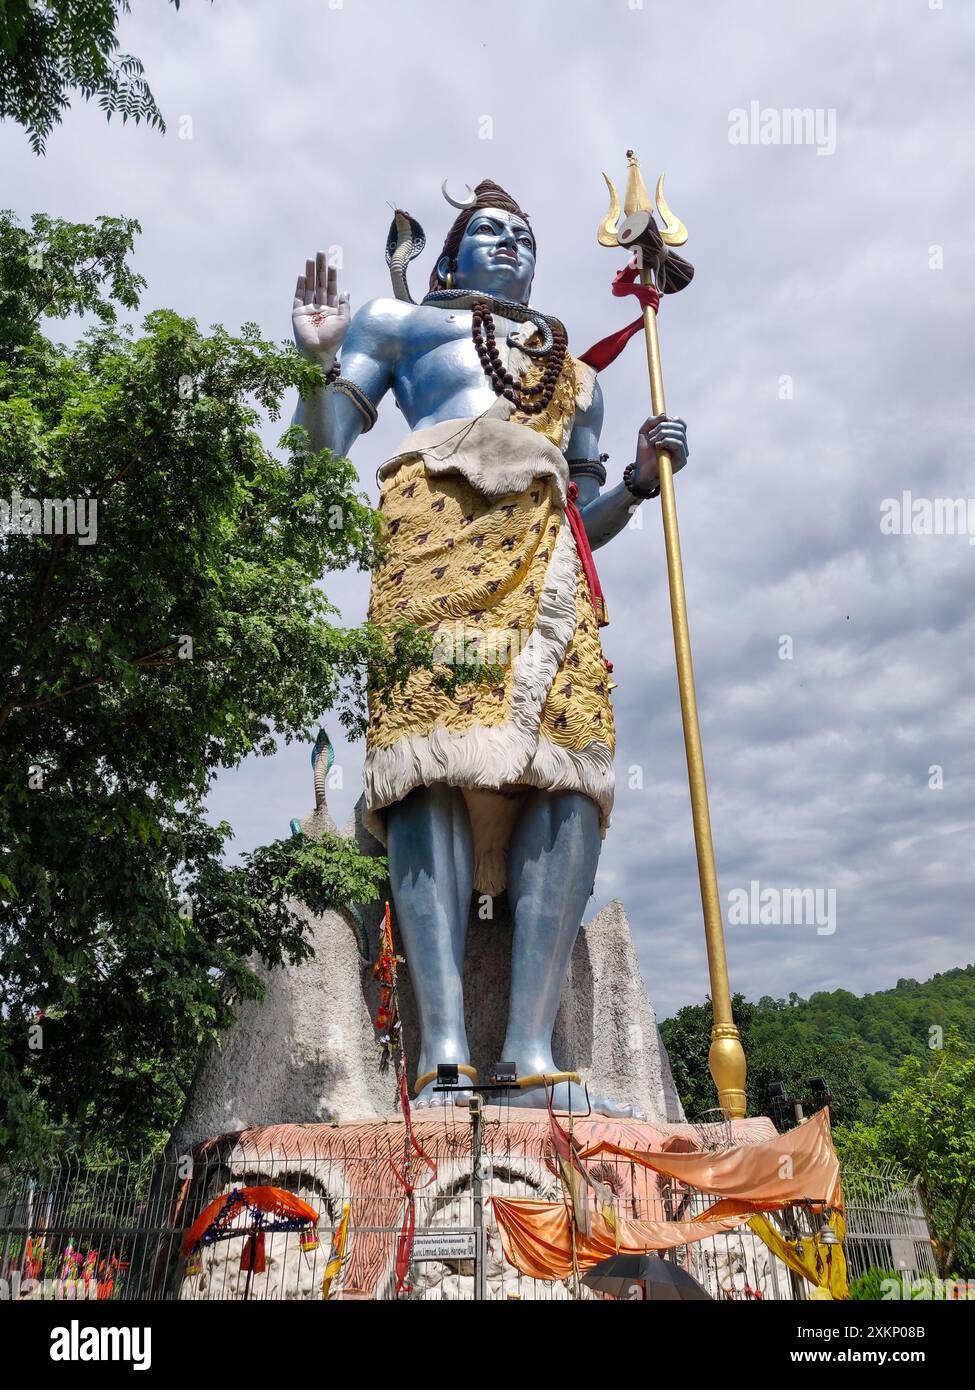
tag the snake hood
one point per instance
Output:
(404, 243)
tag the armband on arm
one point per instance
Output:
(358, 398)
(588, 468)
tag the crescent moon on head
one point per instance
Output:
(464, 203)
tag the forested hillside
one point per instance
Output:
(856, 1042)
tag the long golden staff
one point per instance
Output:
(639, 232)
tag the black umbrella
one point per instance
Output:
(644, 1276)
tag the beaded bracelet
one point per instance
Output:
(637, 489)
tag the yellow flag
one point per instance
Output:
(337, 1252)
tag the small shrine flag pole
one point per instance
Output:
(662, 272)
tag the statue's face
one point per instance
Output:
(497, 255)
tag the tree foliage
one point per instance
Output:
(874, 1285)
(52, 48)
(191, 633)
(856, 1042)
(928, 1129)
(772, 1056)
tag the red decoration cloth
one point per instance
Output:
(607, 350)
(253, 1256)
(585, 554)
(384, 971)
(404, 1246)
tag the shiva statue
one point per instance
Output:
(492, 504)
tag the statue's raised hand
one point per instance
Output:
(320, 315)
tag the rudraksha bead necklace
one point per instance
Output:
(529, 400)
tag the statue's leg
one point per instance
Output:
(431, 870)
(551, 867)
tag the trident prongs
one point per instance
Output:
(637, 197)
(673, 231)
(607, 233)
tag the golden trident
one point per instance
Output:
(668, 273)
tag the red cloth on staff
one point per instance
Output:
(607, 350)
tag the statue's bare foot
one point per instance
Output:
(431, 1095)
(430, 1099)
(566, 1096)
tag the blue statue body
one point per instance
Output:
(425, 355)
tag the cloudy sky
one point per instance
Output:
(819, 358)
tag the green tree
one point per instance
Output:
(51, 48)
(184, 630)
(775, 1051)
(857, 1043)
(794, 1059)
(928, 1129)
(687, 1037)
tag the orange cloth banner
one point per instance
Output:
(536, 1237)
(800, 1166)
(736, 1206)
